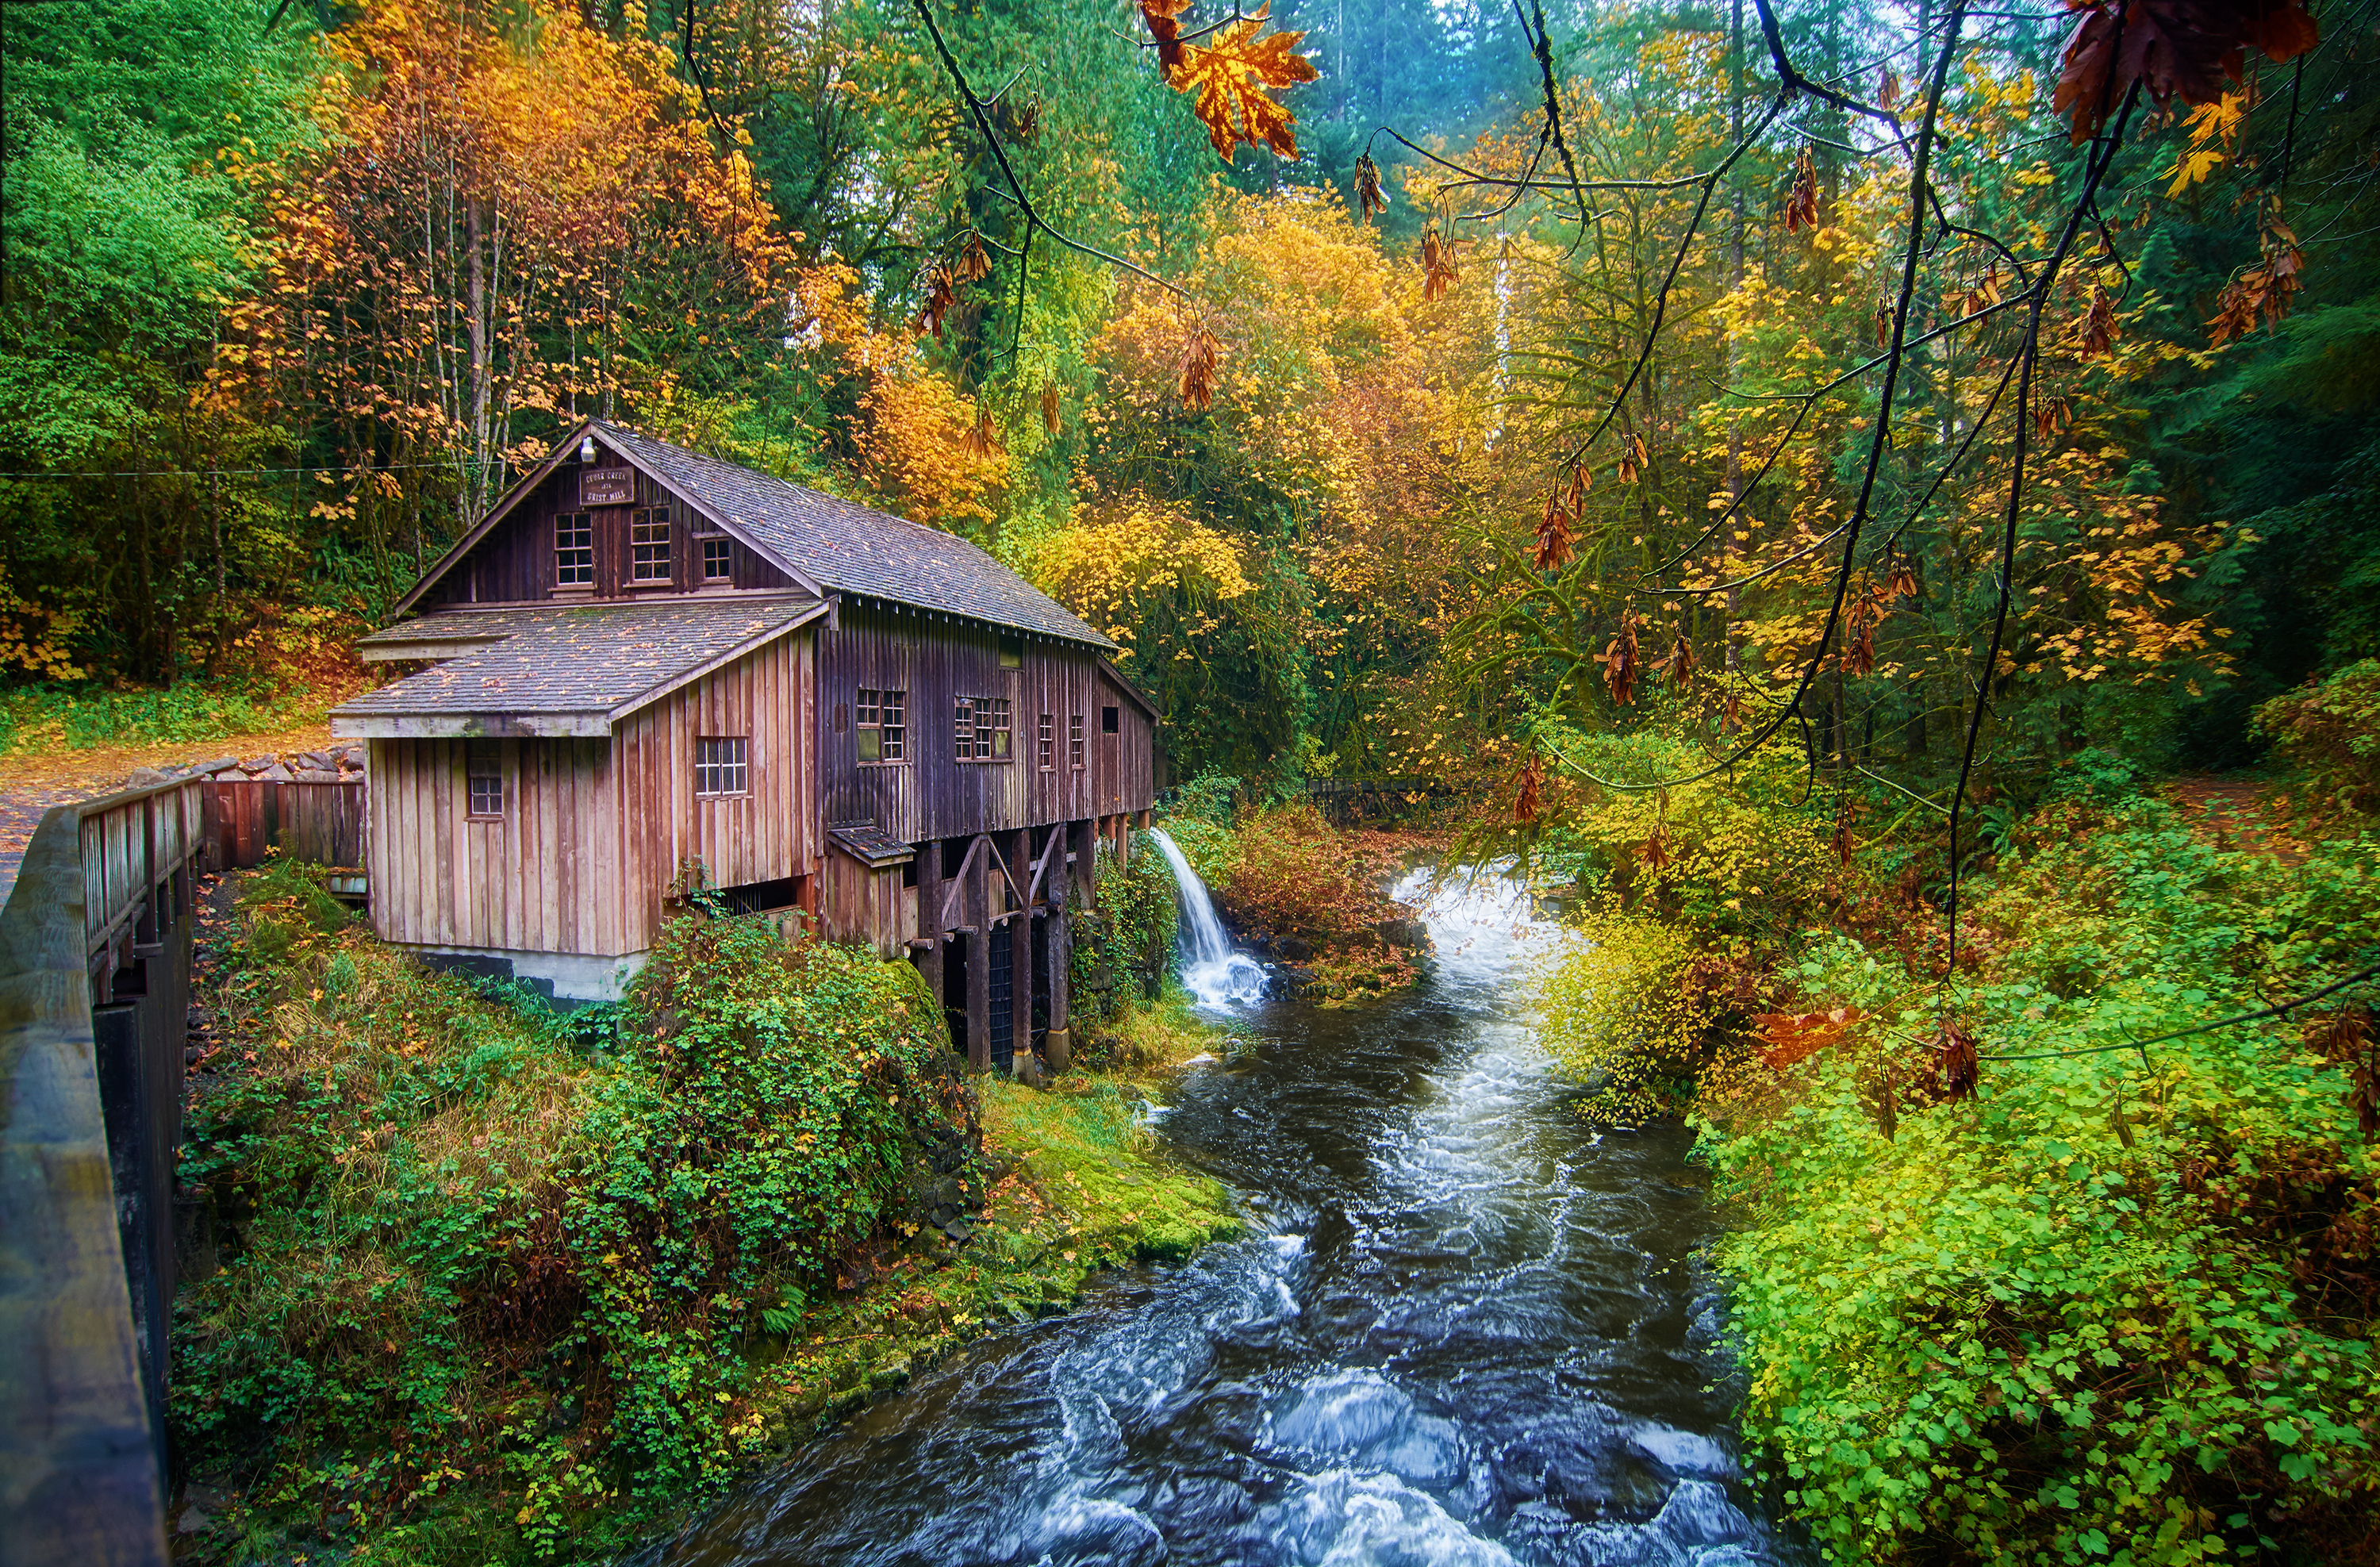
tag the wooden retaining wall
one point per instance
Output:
(243, 817)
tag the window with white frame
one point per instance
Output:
(982, 727)
(1074, 742)
(722, 765)
(1045, 743)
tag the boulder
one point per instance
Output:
(317, 761)
(314, 775)
(145, 777)
(276, 774)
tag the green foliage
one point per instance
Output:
(1616, 1011)
(2330, 730)
(484, 1278)
(190, 713)
(1209, 797)
(1083, 1145)
(1127, 948)
(2115, 1308)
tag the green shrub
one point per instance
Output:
(189, 713)
(1128, 949)
(485, 1279)
(2331, 731)
(1616, 1011)
(2112, 1309)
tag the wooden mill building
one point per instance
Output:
(649, 673)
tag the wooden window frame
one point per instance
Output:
(640, 562)
(1074, 747)
(483, 781)
(879, 717)
(983, 729)
(1046, 743)
(578, 555)
(722, 766)
(726, 558)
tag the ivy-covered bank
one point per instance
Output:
(499, 1284)
(2024, 1269)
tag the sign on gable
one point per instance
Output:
(607, 487)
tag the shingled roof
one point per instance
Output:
(562, 670)
(847, 548)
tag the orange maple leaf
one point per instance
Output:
(1233, 77)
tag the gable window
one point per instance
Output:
(722, 765)
(573, 549)
(717, 559)
(483, 774)
(1012, 652)
(878, 716)
(1074, 741)
(981, 729)
(649, 544)
(1046, 750)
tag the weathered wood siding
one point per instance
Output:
(594, 830)
(930, 793)
(764, 835)
(868, 905)
(515, 563)
(321, 822)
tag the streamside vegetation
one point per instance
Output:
(2088, 1271)
(498, 1283)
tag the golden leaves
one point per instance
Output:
(1196, 374)
(1369, 196)
(1231, 77)
(1438, 272)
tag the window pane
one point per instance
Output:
(894, 735)
(648, 545)
(720, 766)
(1074, 740)
(483, 769)
(573, 549)
(869, 745)
(866, 704)
(1047, 752)
(717, 559)
(966, 725)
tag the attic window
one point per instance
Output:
(649, 544)
(573, 549)
(1107, 720)
(717, 559)
(1012, 652)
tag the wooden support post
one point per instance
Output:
(977, 894)
(1020, 952)
(929, 919)
(1060, 1050)
(1083, 844)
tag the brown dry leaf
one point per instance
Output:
(2052, 416)
(2261, 294)
(1619, 660)
(979, 442)
(2171, 48)
(1655, 853)
(1681, 666)
(941, 293)
(1049, 419)
(1231, 77)
(975, 262)
(1162, 16)
(1369, 196)
(1888, 90)
(1802, 202)
(1956, 1069)
(2098, 331)
(1884, 323)
(1529, 801)
(1553, 534)
(1845, 845)
(1437, 264)
(1632, 459)
(1200, 356)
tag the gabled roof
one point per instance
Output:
(827, 544)
(573, 669)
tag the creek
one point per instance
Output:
(1466, 1328)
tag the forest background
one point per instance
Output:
(291, 292)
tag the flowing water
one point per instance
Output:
(1212, 970)
(1466, 1330)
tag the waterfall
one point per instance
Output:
(1212, 970)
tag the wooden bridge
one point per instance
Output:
(94, 996)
